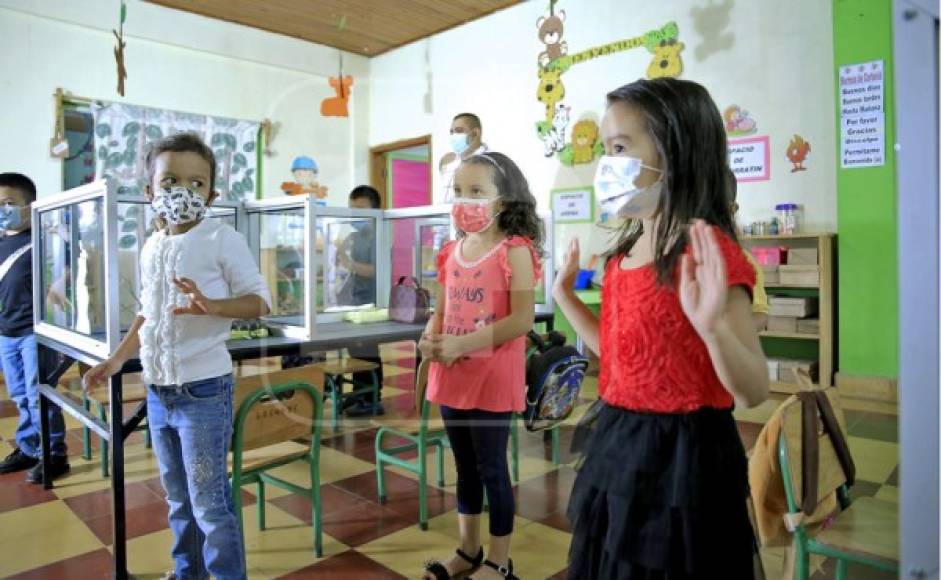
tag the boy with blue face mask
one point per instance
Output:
(18, 350)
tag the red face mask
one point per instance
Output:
(472, 216)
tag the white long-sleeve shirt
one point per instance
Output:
(180, 348)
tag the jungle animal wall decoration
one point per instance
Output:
(555, 60)
(551, 29)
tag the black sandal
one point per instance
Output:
(441, 573)
(506, 572)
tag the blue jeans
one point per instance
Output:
(191, 427)
(19, 358)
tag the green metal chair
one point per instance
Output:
(334, 373)
(864, 531)
(423, 429)
(131, 393)
(275, 411)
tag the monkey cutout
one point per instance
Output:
(550, 34)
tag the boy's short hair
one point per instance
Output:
(21, 183)
(367, 192)
(473, 119)
(180, 143)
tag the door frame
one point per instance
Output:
(378, 177)
(915, 62)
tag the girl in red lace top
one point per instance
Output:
(663, 486)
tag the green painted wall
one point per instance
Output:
(866, 209)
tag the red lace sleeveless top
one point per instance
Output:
(652, 359)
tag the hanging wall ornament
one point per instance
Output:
(338, 105)
(119, 48)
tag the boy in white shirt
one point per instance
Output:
(196, 276)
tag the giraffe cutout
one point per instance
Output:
(336, 106)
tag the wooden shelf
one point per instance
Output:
(793, 286)
(819, 346)
(771, 238)
(780, 387)
(794, 335)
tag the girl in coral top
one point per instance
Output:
(477, 341)
(662, 490)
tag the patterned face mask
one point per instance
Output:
(178, 205)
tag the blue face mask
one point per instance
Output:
(459, 143)
(11, 217)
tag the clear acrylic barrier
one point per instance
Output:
(135, 226)
(341, 274)
(416, 235)
(75, 253)
(86, 277)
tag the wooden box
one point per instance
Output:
(782, 324)
(769, 256)
(797, 307)
(802, 257)
(800, 275)
(774, 367)
(771, 274)
(808, 326)
(787, 370)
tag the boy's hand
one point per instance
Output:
(448, 349)
(199, 304)
(99, 374)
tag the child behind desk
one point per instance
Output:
(196, 276)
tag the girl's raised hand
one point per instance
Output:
(565, 278)
(703, 280)
(199, 305)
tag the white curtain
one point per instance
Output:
(122, 133)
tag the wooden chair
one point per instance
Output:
(334, 372)
(423, 428)
(863, 532)
(274, 411)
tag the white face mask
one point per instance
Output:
(616, 192)
(178, 205)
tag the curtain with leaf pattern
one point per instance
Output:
(122, 133)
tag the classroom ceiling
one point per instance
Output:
(366, 27)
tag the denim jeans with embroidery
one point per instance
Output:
(191, 427)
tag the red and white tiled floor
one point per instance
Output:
(65, 533)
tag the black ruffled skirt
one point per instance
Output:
(662, 496)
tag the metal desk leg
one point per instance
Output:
(44, 435)
(119, 524)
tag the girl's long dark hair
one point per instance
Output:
(518, 217)
(689, 134)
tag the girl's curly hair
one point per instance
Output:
(518, 217)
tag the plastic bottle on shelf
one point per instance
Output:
(788, 216)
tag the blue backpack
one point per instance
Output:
(554, 374)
